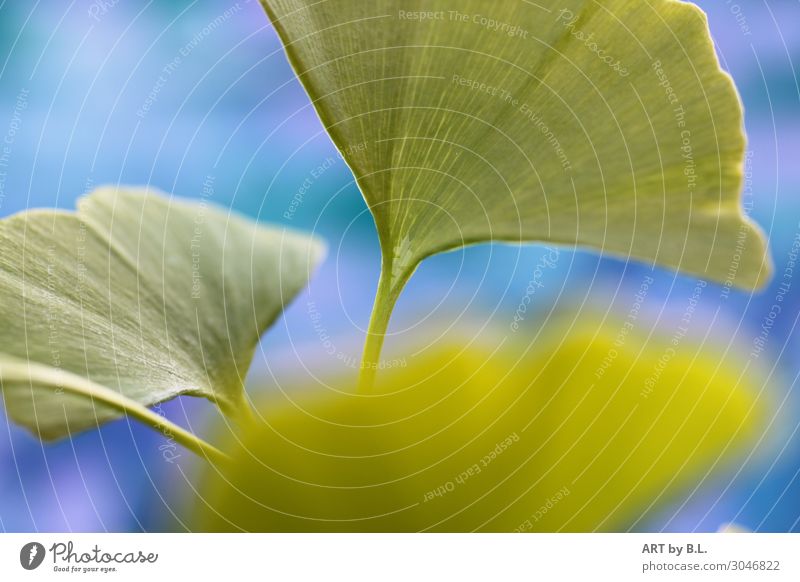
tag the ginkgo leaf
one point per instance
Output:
(61, 394)
(581, 432)
(606, 124)
(139, 294)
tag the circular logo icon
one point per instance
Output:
(31, 555)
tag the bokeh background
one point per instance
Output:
(184, 94)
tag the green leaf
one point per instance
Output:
(135, 299)
(578, 431)
(22, 380)
(598, 124)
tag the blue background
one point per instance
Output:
(80, 77)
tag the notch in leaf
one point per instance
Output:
(603, 124)
(135, 299)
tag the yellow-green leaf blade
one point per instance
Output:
(146, 295)
(601, 124)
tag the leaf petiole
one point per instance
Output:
(390, 285)
(27, 374)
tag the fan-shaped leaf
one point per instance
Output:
(142, 295)
(606, 124)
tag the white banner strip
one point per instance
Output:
(401, 557)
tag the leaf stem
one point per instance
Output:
(241, 412)
(390, 286)
(72, 383)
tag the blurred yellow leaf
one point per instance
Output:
(583, 433)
